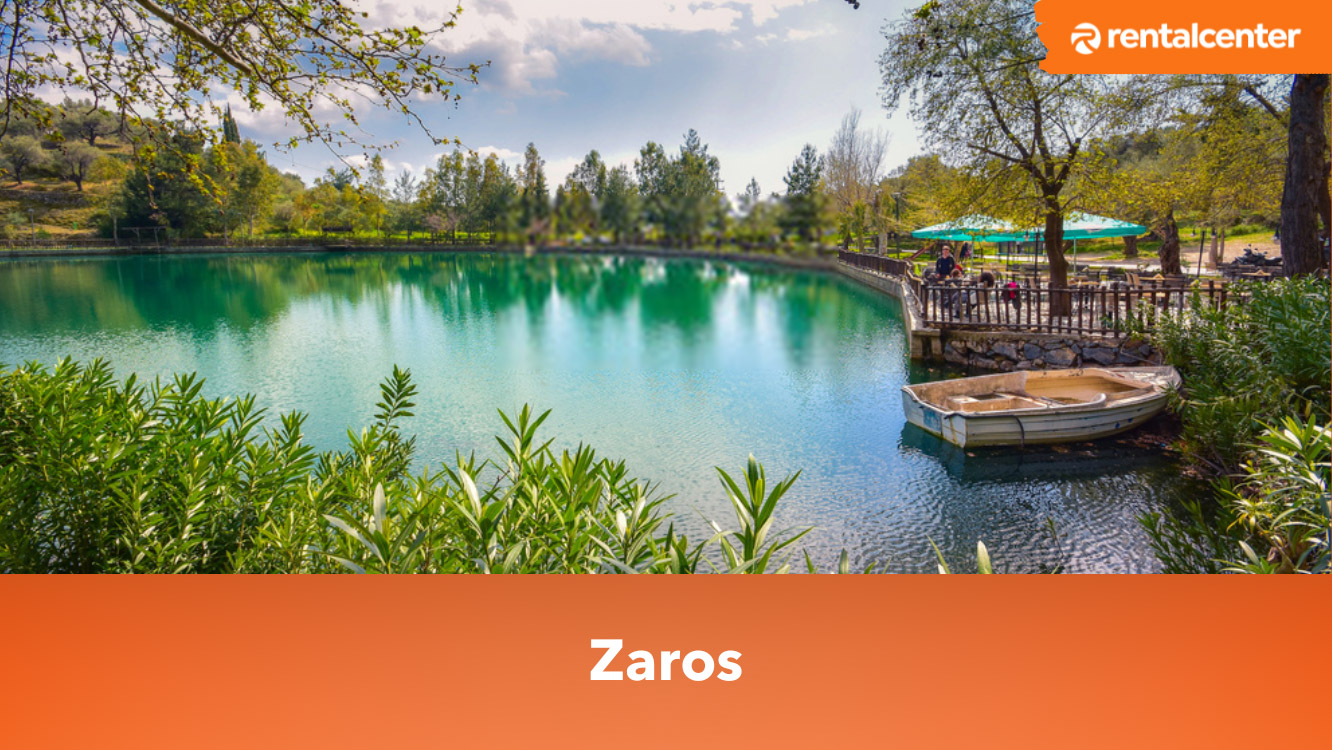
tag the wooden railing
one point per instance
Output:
(1110, 311)
(900, 269)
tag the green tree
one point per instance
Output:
(230, 131)
(76, 161)
(591, 175)
(84, 120)
(498, 196)
(804, 193)
(404, 210)
(969, 70)
(376, 194)
(534, 195)
(252, 183)
(21, 153)
(168, 188)
(146, 59)
(621, 205)
(697, 198)
(652, 169)
(1305, 196)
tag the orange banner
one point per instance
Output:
(1197, 36)
(864, 661)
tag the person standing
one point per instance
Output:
(945, 264)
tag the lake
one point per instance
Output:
(674, 365)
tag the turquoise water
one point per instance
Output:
(676, 366)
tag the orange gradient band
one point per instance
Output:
(829, 661)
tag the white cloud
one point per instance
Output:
(504, 154)
(800, 35)
(526, 40)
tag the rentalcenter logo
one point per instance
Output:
(1086, 38)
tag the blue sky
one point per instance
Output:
(757, 78)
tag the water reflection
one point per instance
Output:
(675, 365)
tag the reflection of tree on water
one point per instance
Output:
(244, 291)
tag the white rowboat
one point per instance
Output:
(1038, 406)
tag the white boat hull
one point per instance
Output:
(1042, 424)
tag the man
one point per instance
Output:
(945, 264)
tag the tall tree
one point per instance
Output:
(1305, 195)
(1306, 198)
(852, 168)
(621, 206)
(652, 167)
(591, 174)
(970, 72)
(534, 196)
(694, 190)
(230, 131)
(804, 192)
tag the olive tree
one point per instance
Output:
(20, 154)
(76, 161)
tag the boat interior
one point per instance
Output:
(1029, 390)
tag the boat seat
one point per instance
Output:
(998, 401)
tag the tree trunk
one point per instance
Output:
(1306, 175)
(1060, 304)
(1130, 247)
(1169, 254)
(1216, 240)
(1325, 196)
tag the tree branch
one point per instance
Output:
(189, 30)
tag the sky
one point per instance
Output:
(757, 79)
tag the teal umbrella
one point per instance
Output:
(1080, 226)
(975, 228)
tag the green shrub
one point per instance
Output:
(1247, 365)
(1275, 520)
(98, 476)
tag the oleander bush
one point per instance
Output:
(1254, 409)
(1274, 519)
(102, 476)
(1249, 365)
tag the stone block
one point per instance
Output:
(1099, 354)
(1062, 357)
(953, 356)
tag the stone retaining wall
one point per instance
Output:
(1005, 352)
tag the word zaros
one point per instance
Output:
(696, 665)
